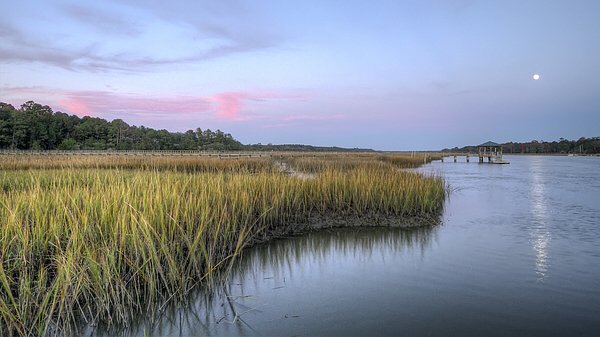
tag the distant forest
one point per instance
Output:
(302, 147)
(581, 146)
(37, 127)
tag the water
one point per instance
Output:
(518, 253)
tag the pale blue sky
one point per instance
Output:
(382, 74)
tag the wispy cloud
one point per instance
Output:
(168, 36)
(75, 106)
(103, 103)
(17, 46)
(98, 102)
(230, 105)
(226, 106)
(101, 19)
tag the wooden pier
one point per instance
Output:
(490, 150)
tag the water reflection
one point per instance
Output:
(223, 306)
(317, 247)
(539, 229)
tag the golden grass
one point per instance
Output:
(173, 163)
(348, 162)
(98, 243)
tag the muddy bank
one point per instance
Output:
(320, 222)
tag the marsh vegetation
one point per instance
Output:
(95, 239)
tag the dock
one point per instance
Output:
(490, 150)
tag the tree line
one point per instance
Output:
(303, 147)
(582, 145)
(36, 127)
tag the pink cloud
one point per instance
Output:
(103, 101)
(85, 103)
(226, 106)
(75, 106)
(229, 105)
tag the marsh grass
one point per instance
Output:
(325, 162)
(98, 243)
(161, 163)
(408, 161)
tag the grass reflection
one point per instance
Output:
(224, 303)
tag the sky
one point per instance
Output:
(387, 75)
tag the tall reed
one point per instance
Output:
(100, 244)
(173, 163)
(346, 162)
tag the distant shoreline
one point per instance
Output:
(450, 154)
(554, 154)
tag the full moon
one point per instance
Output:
(536, 77)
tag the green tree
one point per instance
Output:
(37, 126)
(189, 141)
(6, 125)
(68, 144)
(21, 131)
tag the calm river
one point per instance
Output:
(517, 254)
